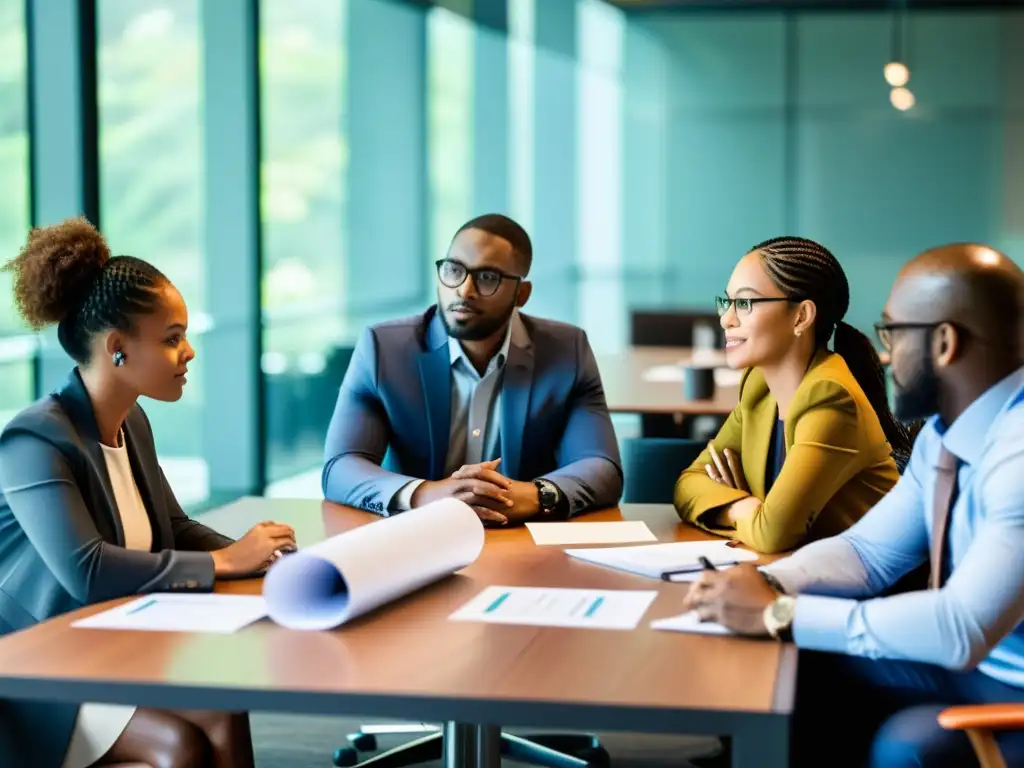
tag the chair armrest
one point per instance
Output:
(991, 717)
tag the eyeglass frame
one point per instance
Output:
(473, 272)
(730, 303)
(884, 330)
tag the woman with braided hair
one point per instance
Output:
(86, 513)
(812, 445)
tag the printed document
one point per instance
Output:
(178, 612)
(690, 622)
(539, 606)
(614, 532)
(653, 560)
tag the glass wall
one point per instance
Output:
(151, 185)
(644, 153)
(772, 124)
(304, 170)
(16, 346)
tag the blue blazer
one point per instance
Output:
(392, 419)
(62, 544)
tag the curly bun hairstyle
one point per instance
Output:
(65, 274)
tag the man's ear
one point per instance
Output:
(525, 290)
(947, 344)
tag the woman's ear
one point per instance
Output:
(112, 344)
(806, 314)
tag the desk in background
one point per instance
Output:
(407, 661)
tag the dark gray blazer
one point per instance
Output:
(392, 420)
(62, 544)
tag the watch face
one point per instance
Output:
(782, 611)
(547, 495)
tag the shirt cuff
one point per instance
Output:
(402, 500)
(821, 623)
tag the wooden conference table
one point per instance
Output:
(407, 661)
(628, 389)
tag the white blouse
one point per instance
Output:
(100, 725)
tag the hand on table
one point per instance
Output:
(257, 549)
(479, 485)
(735, 598)
(524, 498)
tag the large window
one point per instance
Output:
(304, 173)
(450, 126)
(16, 346)
(151, 187)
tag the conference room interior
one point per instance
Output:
(296, 166)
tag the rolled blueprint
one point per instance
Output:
(329, 583)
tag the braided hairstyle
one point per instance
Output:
(65, 274)
(807, 271)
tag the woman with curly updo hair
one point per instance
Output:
(86, 513)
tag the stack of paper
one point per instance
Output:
(655, 559)
(613, 532)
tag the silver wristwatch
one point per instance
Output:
(778, 617)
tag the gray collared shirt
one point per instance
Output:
(475, 432)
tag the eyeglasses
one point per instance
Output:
(487, 280)
(745, 305)
(884, 330)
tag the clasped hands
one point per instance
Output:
(726, 470)
(495, 498)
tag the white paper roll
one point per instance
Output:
(329, 583)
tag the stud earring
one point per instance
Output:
(799, 333)
(118, 358)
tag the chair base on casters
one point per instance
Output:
(466, 746)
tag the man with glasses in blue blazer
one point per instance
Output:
(475, 400)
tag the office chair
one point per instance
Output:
(548, 750)
(981, 722)
(651, 466)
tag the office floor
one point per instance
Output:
(286, 741)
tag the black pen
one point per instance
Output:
(706, 565)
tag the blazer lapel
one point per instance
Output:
(763, 418)
(435, 377)
(75, 400)
(515, 400)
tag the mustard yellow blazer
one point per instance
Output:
(838, 462)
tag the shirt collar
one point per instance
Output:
(515, 327)
(965, 438)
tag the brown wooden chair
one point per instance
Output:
(981, 723)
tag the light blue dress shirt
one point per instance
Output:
(475, 431)
(974, 620)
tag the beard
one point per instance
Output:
(477, 327)
(919, 399)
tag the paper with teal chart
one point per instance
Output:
(180, 612)
(551, 607)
